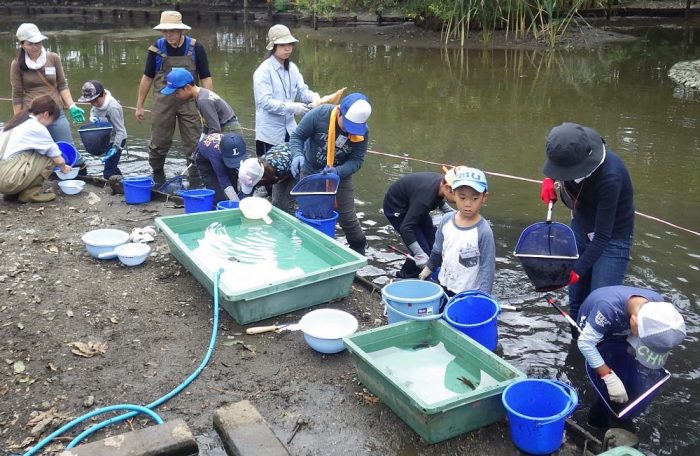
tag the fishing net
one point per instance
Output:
(315, 195)
(547, 251)
(96, 137)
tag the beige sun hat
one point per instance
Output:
(279, 34)
(30, 32)
(171, 20)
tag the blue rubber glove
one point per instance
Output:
(330, 170)
(77, 113)
(297, 163)
(110, 153)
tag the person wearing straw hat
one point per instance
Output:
(407, 206)
(280, 92)
(333, 139)
(651, 329)
(36, 72)
(173, 49)
(28, 154)
(105, 108)
(595, 185)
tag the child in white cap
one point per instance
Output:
(271, 169)
(651, 327)
(464, 245)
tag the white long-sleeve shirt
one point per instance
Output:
(275, 90)
(30, 135)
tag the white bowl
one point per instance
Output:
(71, 187)
(131, 254)
(65, 176)
(324, 329)
(104, 240)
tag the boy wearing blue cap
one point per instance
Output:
(218, 115)
(337, 142)
(464, 244)
(218, 158)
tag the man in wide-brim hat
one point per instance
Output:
(173, 49)
(595, 185)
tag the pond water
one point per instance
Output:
(490, 109)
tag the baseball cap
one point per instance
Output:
(661, 328)
(470, 177)
(249, 174)
(355, 110)
(452, 172)
(233, 149)
(91, 90)
(573, 151)
(177, 78)
(279, 34)
(30, 32)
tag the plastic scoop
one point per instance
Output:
(255, 207)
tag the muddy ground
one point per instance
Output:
(150, 326)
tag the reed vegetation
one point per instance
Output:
(543, 20)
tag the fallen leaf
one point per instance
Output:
(114, 320)
(4, 389)
(20, 326)
(89, 349)
(18, 366)
(25, 443)
(51, 248)
(51, 367)
(69, 313)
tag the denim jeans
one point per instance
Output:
(112, 164)
(60, 131)
(608, 270)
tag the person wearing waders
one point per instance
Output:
(173, 49)
(627, 334)
(594, 183)
(407, 206)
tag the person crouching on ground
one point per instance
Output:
(339, 135)
(105, 108)
(218, 157)
(217, 114)
(28, 154)
(273, 168)
(646, 329)
(407, 206)
(464, 244)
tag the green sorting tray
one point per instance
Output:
(404, 387)
(255, 292)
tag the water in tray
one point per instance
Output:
(252, 254)
(430, 372)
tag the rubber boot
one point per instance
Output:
(35, 195)
(408, 270)
(159, 176)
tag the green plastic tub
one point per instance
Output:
(436, 379)
(268, 270)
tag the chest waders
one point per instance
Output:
(167, 110)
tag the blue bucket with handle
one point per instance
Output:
(475, 314)
(137, 190)
(325, 226)
(68, 152)
(227, 204)
(537, 410)
(413, 299)
(198, 200)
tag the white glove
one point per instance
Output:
(419, 256)
(616, 390)
(231, 193)
(299, 109)
(315, 100)
(425, 273)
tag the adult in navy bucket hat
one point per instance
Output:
(333, 139)
(627, 334)
(594, 183)
(218, 158)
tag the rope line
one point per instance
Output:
(491, 173)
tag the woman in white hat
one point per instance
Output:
(36, 72)
(280, 92)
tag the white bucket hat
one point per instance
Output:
(30, 32)
(171, 20)
(279, 34)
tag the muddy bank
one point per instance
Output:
(149, 327)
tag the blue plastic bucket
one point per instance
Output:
(325, 226)
(475, 314)
(137, 190)
(68, 152)
(227, 204)
(412, 299)
(537, 409)
(198, 200)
